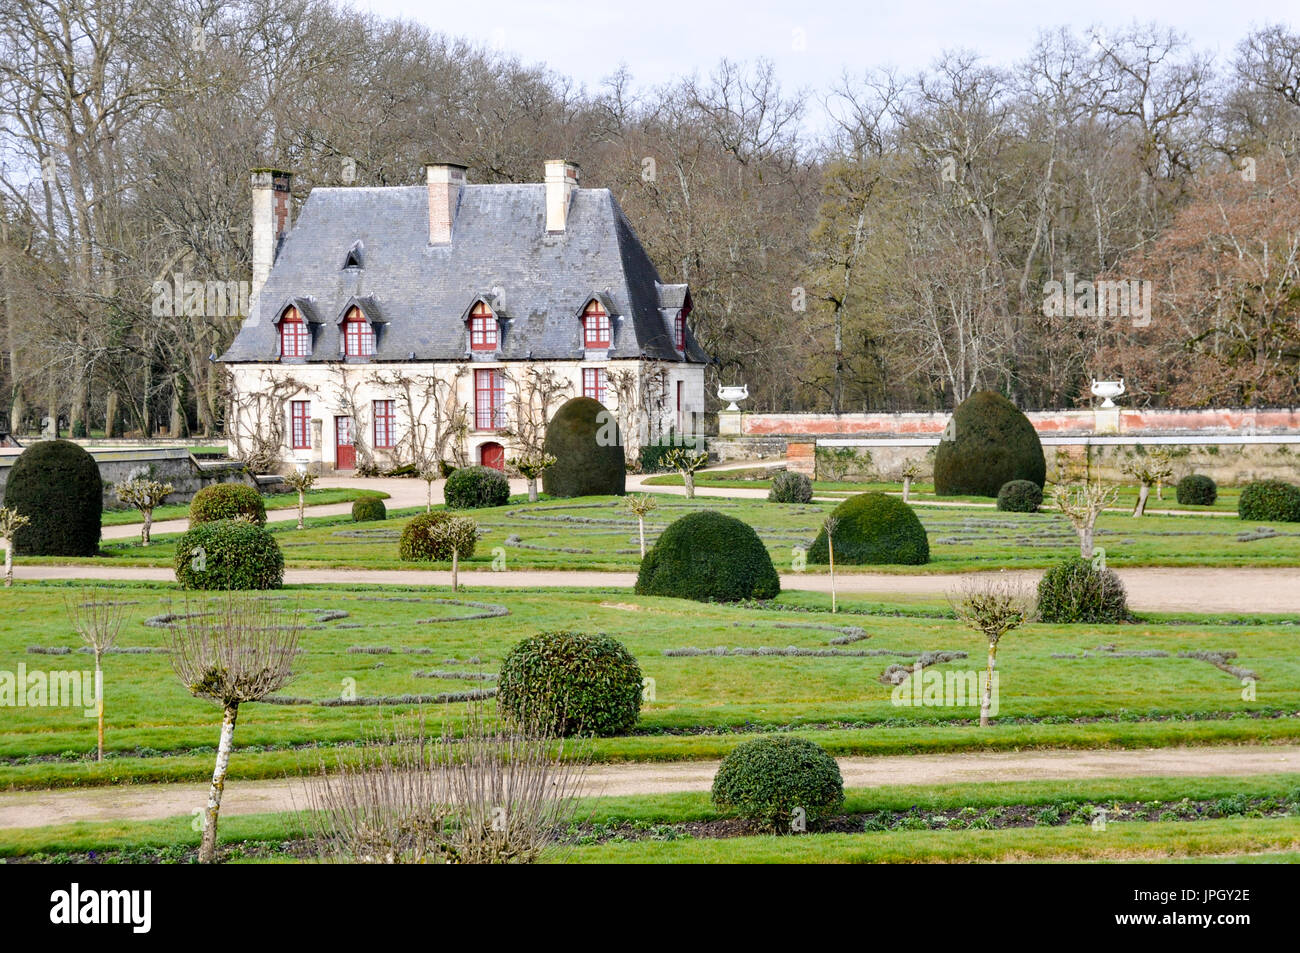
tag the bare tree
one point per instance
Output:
(144, 494)
(232, 649)
(300, 481)
(457, 535)
(686, 462)
(831, 524)
(1148, 472)
(98, 619)
(992, 607)
(1082, 503)
(641, 505)
(531, 467)
(10, 522)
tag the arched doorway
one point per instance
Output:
(492, 455)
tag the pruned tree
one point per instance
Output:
(145, 495)
(831, 524)
(992, 607)
(457, 535)
(1081, 504)
(300, 481)
(98, 619)
(531, 468)
(230, 650)
(686, 462)
(641, 505)
(910, 473)
(1148, 472)
(10, 522)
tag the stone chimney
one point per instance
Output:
(271, 222)
(561, 179)
(444, 180)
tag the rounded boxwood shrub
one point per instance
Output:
(1196, 489)
(1020, 496)
(706, 555)
(873, 529)
(1270, 501)
(229, 554)
(1076, 591)
(988, 443)
(227, 501)
(766, 779)
(471, 487)
(56, 484)
(584, 439)
(420, 541)
(571, 683)
(369, 509)
(789, 487)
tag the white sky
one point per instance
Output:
(666, 38)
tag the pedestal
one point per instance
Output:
(1106, 420)
(729, 423)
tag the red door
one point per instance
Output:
(345, 452)
(492, 455)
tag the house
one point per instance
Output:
(447, 321)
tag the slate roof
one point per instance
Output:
(417, 294)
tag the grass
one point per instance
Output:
(273, 501)
(703, 705)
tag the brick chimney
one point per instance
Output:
(445, 180)
(561, 179)
(271, 221)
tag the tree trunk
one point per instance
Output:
(532, 489)
(640, 528)
(830, 550)
(428, 499)
(301, 503)
(455, 569)
(110, 415)
(208, 849)
(689, 480)
(907, 487)
(1143, 492)
(986, 702)
(148, 525)
(9, 563)
(1085, 542)
(99, 705)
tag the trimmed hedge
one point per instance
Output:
(1196, 489)
(588, 449)
(421, 543)
(766, 779)
(227, 501)
(1020, 496)
(1075, 591)
(56, 484)
(571, 683)
(790, 487)
(989, 443)
(229, 554)
(874, 529)
(708, 556)
(472, 487)
(1270, 501)
(369, 509)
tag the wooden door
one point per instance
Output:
(345, 452)
(493, 455)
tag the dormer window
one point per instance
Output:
(353, 259)
(294, 338)
(679, 330)
(595, 326)
(358, 335)
(482, 328)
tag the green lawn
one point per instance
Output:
(273, 501)
(703, 705)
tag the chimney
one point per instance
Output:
(271, 221)
(561, 179)
(444, 180)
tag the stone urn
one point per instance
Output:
(733, 393)
(1108, 391)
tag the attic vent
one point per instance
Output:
(354, 256)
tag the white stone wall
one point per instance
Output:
(323, 386)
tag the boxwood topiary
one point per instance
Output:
(571, 683)
(988, 443)
(790, 487)
(227, 501)
(766, 779)
(57, 486)
(1020, 496)
(584, 439)
(1076, 591)
(706, 555)
(229, 554)
(873, 529)
(369, 509)
(472, 487)
(420, 542)
(1270, 501)
(1196, 489)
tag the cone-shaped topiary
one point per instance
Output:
(583, 438)
(705, 556)
(57, 486)
(988, 442)
(227, 501)
(571, 683)
(873, 529)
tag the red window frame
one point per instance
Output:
(358, 335)
(593, 383)
(300, 424)
(482, 328)
(385, 420)
(489, 399)
(679, 331)
(293, 334)
(595, 326)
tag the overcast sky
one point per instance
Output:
(666, 38)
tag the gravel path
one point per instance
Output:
(138, 802)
